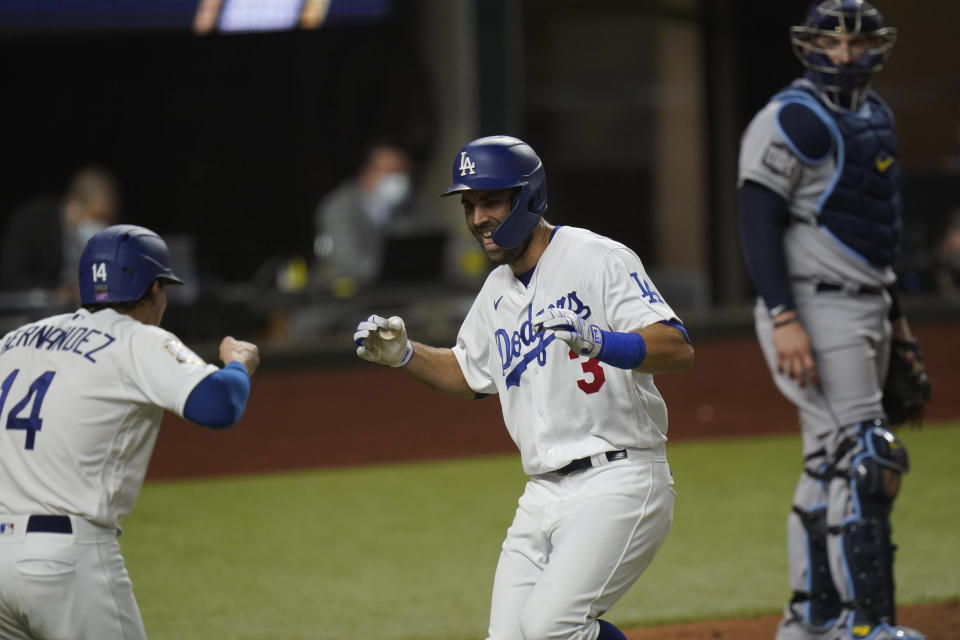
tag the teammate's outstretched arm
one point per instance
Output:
(245, 353)
(385, 341)
(220, 399)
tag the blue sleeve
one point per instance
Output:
(219, 400)
(763, 218)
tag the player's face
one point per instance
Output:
(484, 211)
(844, 49)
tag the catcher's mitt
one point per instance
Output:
(907, 388)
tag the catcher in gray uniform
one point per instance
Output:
(820, 225)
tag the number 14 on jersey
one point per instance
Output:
(32, 423)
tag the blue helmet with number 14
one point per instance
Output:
(121, 262)
(504, 162)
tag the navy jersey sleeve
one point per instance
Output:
(763, 217)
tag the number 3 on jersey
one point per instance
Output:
(36, 392)
(591, 367)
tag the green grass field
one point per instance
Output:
(408, 551)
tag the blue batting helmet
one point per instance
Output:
(504, 162)
(121, 262)
(842, 17)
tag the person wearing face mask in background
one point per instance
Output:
(43, 238)
(355, 220)
(948, 259)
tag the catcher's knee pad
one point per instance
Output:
(879, 460)
(820, 603)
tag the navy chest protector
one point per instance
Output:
(861, 206)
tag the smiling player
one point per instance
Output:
(568, 330)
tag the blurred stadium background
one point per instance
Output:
(226, 121)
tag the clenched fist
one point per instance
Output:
(384, 341)
(246, 353)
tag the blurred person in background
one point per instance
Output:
(948, 260)
(821, 229)
(354, 221)
(44, 237)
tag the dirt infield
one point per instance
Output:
(365, 414)
(938, 621)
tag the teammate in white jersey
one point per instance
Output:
(820, 223)
(81, 399)
(568, 330)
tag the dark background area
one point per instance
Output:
(233, 138)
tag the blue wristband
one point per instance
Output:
(623, 350)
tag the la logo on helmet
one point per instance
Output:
(466, 164)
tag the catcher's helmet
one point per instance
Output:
(842, 83)
(504, 162)
(121, 262)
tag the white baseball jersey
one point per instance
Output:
(81, 399)
(577, 542)
(559, 406)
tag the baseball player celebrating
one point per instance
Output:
(81, 399)
(567, 329)
(820, 223)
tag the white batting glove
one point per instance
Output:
(583, 338)
(384, 341)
